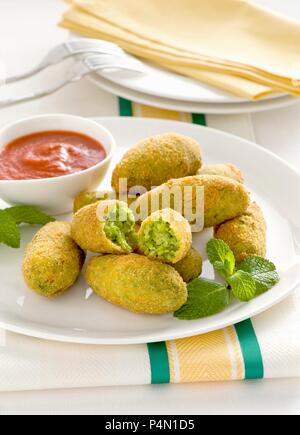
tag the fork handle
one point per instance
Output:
(29, 97)
(26, 75)
(59, 54)
(80, 70)
(36, 95)
(56, 55)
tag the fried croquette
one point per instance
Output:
(224, 198)
(165, 236)
(190, 267)
(87, 198)
(158, 159)
(245, 235)
(137, 283)
(52, 261)
(105, 227)
(227, 170)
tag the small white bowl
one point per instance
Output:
(55, 195)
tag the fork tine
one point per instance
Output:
(84, 66)
(95, 62)
(69, 49)
(84, 45)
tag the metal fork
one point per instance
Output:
(82, 68)
(72, 48)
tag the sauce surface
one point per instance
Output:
(49, 154)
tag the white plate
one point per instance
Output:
(162, 83)
(190, 107)
(82, 317)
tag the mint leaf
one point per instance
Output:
(243, 286)
(221, 257)
(205, 298)
(25, 214)
(9, 231)
(11, 217)
(262, 271)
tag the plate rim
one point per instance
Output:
(156, 336)
(227, 98)
(59, 338)
(180, 106)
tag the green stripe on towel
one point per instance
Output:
(125, 107)
(159, 362)
(254, 365)
(199, 119)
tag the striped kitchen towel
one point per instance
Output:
(267, 346)
(128, 108)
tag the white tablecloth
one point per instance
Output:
(27, 31)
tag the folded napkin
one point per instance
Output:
(266, 347)
(88, 26)
(229, 43)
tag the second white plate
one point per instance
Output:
(191, 107)
(162, 83)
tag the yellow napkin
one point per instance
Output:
(86, 25)
(228, 43)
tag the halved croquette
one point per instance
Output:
(106, 227)
(165, 236)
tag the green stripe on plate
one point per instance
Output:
(254, 365)
(125, 107)
(199, 119)
(159, 361)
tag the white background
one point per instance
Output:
(27, 30)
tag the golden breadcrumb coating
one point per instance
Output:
(158, 159)
(88, 230)
(87, 198)
(226, 170)
(224, 198)
(137, 283)
(245, 235)
(52, 261)
(190, 267)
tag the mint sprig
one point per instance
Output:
(206, 298)
(9, 231)
(24, 214)
(247, 280)
(11, 218)
(243, 286)
(221, 257)
(262, 271)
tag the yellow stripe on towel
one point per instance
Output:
(142, 111)
(215, 356)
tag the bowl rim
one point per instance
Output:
(108, 157)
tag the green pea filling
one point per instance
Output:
(158, 240)
(119, 228)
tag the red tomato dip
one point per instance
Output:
(49, 154)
